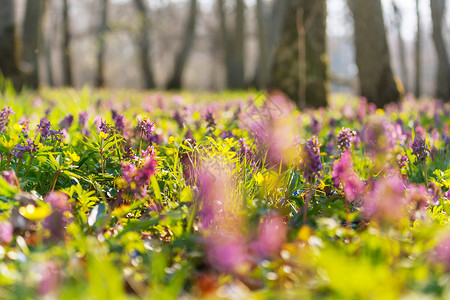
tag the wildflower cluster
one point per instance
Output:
(5, 114)
(311, 163)
(345, 139)
(420, 149)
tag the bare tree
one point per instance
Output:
(31, 38)
(183, 54)
(8, 59)
(144, 43)
(418, 54)
(300, 66)
(443, 76)
(398, 21)
(66, 57)
(101, 38)
(377, 82)
(233, 41)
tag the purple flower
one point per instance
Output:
(44, 128)
(271, 236)
(315, 126)
(150, 151)
(377, 136)
(227, 252)
(442, 251)
(244, 150)
(310, 161)
(137, 178)
(5, 114)
(129, 153)
(344, 174)
(10, 177)
(178, 118)
(58, 201)
(419, 196)
(403, 161)
(83, 119)
(387, 203)
(210, 121)
(57, 220)
(119, 122)
(146, 127)
(345, 138)
(420, 148)
(27, 146)
(6, 232)
(51, 278)
(104, 127)
(25, 127)
(66, 122)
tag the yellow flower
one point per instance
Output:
(73, 156)
(171, 140)
(259, 178)
(103, 135)
(35, 213)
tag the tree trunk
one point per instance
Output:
(377, 82)
(233, 45)
(48, 38)
(261, 73)
(30, 41)
(66, 57)
(398, 20)
(182, 56)
(101, 36)
(8, 59)
(418, 54)
(300, 64)
(269, 32)
(144, 43)
(443, 76)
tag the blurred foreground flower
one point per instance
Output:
(57, 220)
(387, 203)
(6, 232)
(271, 236)
(344, 174)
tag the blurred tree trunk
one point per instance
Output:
(269, 32)
(300, 64)
(31, 38)
(144, 43)
(8, 52)
(377, 82)
(234, 45)
(66, 57)
(183, 54)
(261, 72)
(398, 21)
(48, 38)
(418, 54)
(101, 37)
(443, 76)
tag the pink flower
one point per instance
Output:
(271, 236)
(344, 174)
(6, 232)
(387, 202)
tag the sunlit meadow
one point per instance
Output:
(119, 194)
